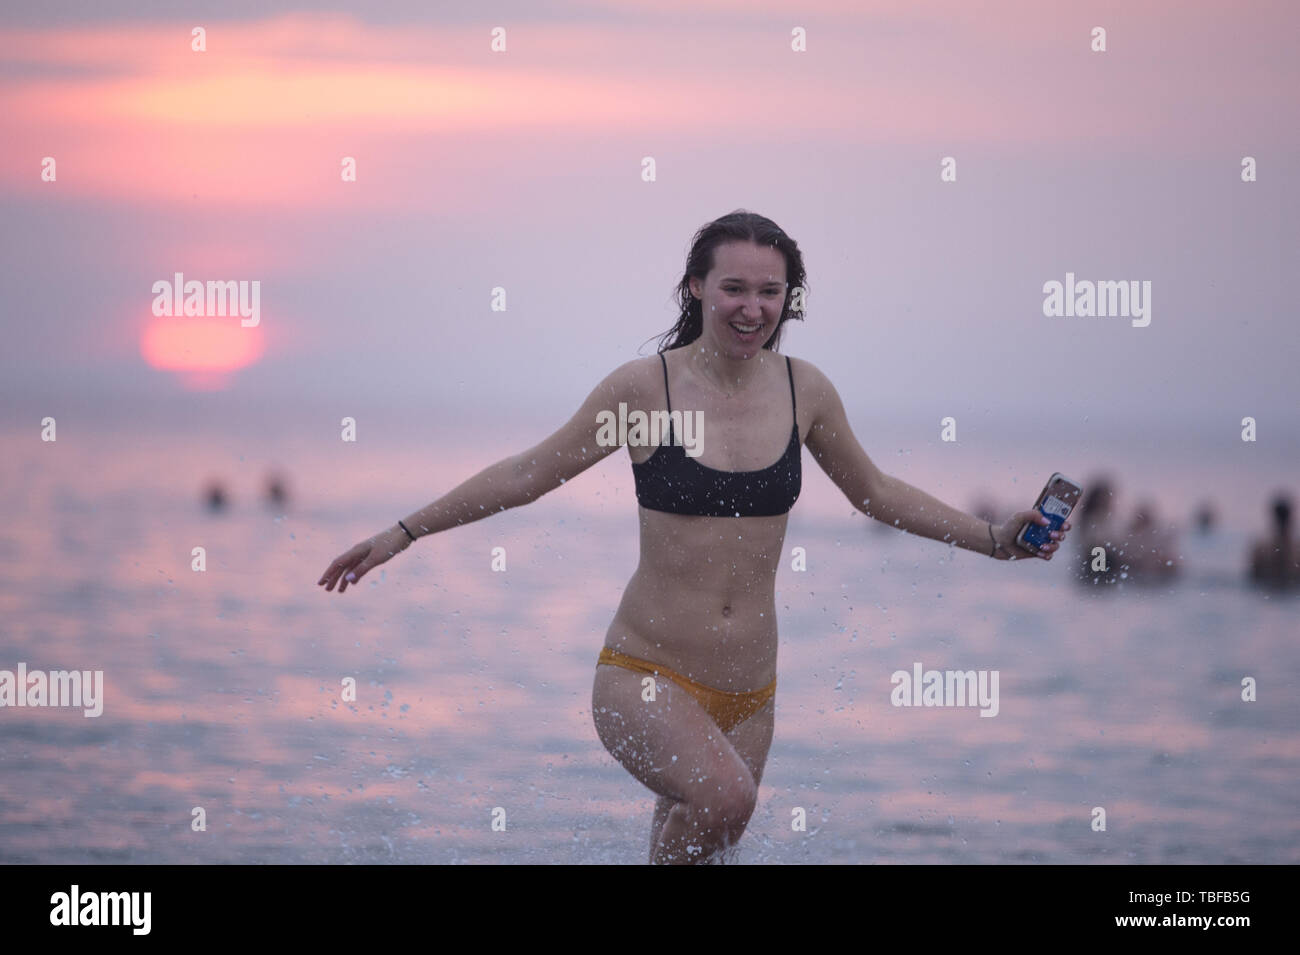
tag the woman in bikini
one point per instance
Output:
(684, 689)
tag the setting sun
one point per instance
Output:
(204, 352)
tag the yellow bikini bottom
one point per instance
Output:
(727, 709)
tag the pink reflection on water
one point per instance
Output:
(222, 687)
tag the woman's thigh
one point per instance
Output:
(670, 744)
(752, 739)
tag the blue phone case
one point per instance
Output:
(1056, 511)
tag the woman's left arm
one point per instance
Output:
(894, 501)
(911, 509)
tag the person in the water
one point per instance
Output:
(1151, 547)
(684, 689)
(1275, 560)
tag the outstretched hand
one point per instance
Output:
(364, 557)
(1005, 536)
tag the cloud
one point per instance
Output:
(267, 113)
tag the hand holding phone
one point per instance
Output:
(1057, 500)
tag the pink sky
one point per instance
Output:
(522, 169)
(131, 113)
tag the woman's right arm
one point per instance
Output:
(510, 482)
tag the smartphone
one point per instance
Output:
(1055, 503)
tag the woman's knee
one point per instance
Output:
(726, 799)
(739, 799)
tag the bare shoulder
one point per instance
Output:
(830, 438)
(629, 381)
(644, 372)
(811, 387)
(576, 445)
(805, 372)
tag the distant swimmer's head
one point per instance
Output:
(1282, 512)
(1098, 500)
(746, 276)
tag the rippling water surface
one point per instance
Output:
(223, 687)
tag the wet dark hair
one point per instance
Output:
(737, 226)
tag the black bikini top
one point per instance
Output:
(671, 481)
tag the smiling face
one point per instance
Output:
(742, 298)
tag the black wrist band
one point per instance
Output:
(405, 528)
